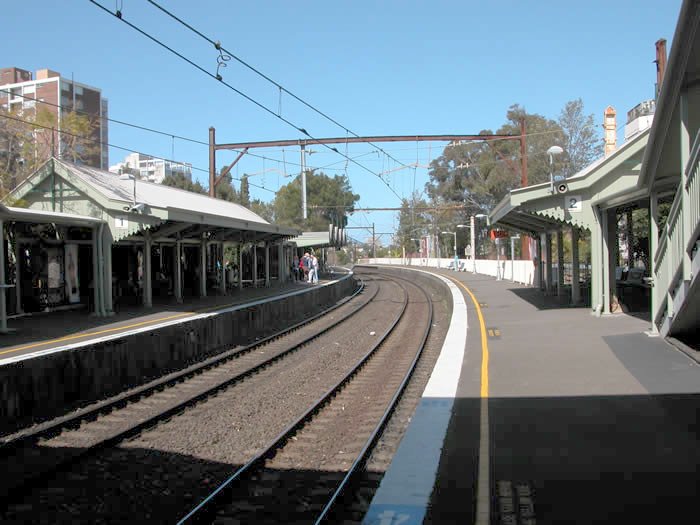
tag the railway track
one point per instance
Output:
(83, 471)
(31, 455)
(301, 476)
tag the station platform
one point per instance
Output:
(541, 413)
(43, 332)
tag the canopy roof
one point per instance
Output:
(131, 208)
(608, 182)
(9, 213)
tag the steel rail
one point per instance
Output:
(361, 460)
(161, 384)
(206, 510)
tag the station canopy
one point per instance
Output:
(132, 207)
(334, 237)
(606, 183)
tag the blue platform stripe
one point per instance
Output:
(404, 492)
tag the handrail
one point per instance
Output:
(668, 259)
(673, 215)
(692, 188)
(691, 167)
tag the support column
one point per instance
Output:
(548, 248)
(221, 270)
(282, 263)
(653, 247)
(147, 278)
(106, 252)
(18, 275)
(255, 265)
(597, 298)
(240, 266)
(97, 276)
(560, 263)
(606, 253)
(178, 271)
(685, 205)
(267, 264)
(575, 268)
(541, 264)
(203, 267)
(3, 304)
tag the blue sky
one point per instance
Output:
(390, 67)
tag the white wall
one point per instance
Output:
(524, 270)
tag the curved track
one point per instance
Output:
(186, 438)
(291, 480)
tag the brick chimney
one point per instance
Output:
(610, 129)
(660, 63)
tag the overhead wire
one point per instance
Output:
(279, 86)
(137, 126)
(238, 91)
(95, 141)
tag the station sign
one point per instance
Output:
(499, 234)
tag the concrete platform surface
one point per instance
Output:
(45, 331)
(558, 417)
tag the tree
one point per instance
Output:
(265, 209)
(73, 140)
(328, 200)
(13, 137)
(479, 174)
(28, 140)
(244, 194)
(412, 223)
(179, 180)
(225, 190)
(582, 145)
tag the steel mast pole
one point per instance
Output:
(303, 182)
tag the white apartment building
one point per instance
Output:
(152, 169)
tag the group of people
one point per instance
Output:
(306, 268)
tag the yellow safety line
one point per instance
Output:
(90, 334)
(125, 327)
(484, 344)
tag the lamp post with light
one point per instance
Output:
(472, 221)
(552, 151)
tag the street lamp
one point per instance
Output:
(552, 151)
(473, 235)
(304, 152)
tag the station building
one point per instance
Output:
(655, 170)
(85, 236)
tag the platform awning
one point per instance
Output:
(608, 182)
(133, 208)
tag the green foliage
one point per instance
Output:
(478, 175)
(265, 209)
(582, 145)
(328, 202)
(244, 195)
(24, 146)
(178, 180)
(225, 190)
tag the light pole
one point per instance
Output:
(455, 245)
(552, 151)
(304, 152)
(473, 235)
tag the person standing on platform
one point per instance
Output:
(295, 267)
(307, 266)
(314, 270)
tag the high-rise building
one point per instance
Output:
(21, 90)
(151, 168)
